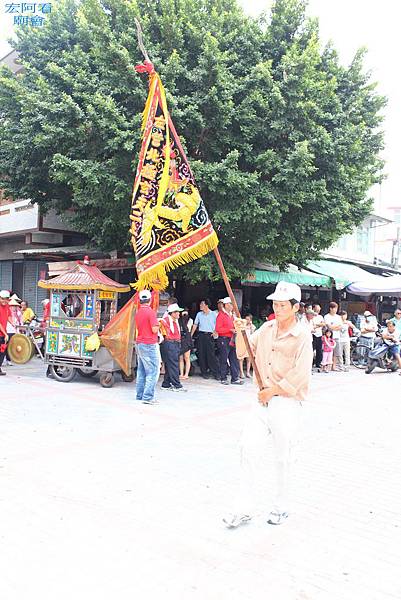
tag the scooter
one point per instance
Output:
(380, 356)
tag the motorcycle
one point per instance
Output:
(380, 356)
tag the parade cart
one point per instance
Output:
(83, 301)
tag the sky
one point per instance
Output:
(350, 24)
(374, 24)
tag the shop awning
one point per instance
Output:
(376, 284)
(293, 275)
(342, 273)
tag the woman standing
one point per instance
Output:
(14, 321)
(185, 323)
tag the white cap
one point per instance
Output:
(286, 291)
(4, 294)
(13, 302)
(174, 308)
(226, 300)
(15, 297)
(45, 301)
(367, 313)
(145, 296)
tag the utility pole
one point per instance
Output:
(397, 249)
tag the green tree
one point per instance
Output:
(283, 139)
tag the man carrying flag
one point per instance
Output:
(283, 355)
(169, 222)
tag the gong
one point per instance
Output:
(20, 349)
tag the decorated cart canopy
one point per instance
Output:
(83, 304)
(83, 277)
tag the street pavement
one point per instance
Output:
(104, 498)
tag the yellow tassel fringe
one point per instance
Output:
(156, 277)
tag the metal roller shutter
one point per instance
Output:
(41, 293)
(6, 274)
(34, 295)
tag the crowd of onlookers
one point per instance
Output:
(172, 339)
(210, 338)
(211, 333)
(332, 334)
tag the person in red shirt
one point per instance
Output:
(46, 313)
(147, 349)
(171, 349)
(5, 315)
(226, 344)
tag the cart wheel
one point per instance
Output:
(62, 373)
(107, 380)
(87, 372)
(127, 378)
(370, 367)
(20, 349)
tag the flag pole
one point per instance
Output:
(238, 314)
(141, 45)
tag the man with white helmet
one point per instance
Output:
(283, 355)
(171, 348)
(226, 344)
(369, 328)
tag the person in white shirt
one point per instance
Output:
(345, 341)
(397, 320)
(250, 329)
(301, 314)
(318, 323)
(335, 322)
(310, 315)
(369, 328)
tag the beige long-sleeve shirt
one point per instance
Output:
(284, 360)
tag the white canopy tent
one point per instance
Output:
(376, 284)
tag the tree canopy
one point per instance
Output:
(283, 139)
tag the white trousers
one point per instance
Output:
(278, 423)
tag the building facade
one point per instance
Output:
(22, 227)
(362, 245)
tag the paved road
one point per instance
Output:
(102, 498)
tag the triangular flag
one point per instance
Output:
(118, 336)
(170, 225)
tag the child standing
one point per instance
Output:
(250, 329)
(328, 345)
